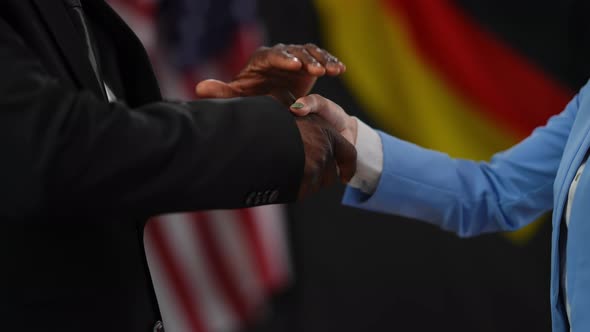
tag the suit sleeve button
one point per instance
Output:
(259, 198)
(274, 197)
(266, 197)
(250, 199)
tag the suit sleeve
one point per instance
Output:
(66, 152)
(468, 197)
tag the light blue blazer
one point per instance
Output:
(509, 192)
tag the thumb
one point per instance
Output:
(324, 107)
(308, 104)
(215, 89)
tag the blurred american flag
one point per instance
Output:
(213, 271)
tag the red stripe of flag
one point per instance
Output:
(222, 274)
(176, 276)
(504, 85)
(254, 241)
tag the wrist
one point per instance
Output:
(369, 158)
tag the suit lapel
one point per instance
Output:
(70, 42)
(574, 154)
(579, 145)
(142, 86)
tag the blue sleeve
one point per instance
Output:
(468, 197)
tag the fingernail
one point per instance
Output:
(297, 106)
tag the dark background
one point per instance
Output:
(359, 271)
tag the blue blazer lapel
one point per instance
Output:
(573, 156)
(70, 42)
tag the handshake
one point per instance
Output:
(327, 132)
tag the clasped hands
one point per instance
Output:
(327, 132)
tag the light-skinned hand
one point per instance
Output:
(329, 111)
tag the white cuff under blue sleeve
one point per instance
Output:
(369, 163)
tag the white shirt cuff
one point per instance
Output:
(369, 163)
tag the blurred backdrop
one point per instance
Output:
(468, 77)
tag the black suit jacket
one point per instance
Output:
(79, 176)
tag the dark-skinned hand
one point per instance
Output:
(328, 155)
(279, 71)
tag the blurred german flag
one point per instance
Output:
(427, 72)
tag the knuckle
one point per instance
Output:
(316, 99)
(308, 56)
(332, 58)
